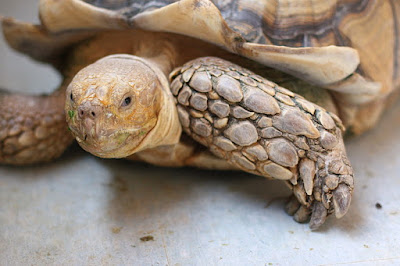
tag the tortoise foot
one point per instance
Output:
(316, 212)
(322, 188)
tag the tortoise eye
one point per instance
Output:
(127, 101)
(71, 97)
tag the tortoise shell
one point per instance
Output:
(371, 27)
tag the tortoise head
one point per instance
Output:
(119, 105)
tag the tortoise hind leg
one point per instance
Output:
(266, 130)
(32, 128)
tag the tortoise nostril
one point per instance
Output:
(88, 110)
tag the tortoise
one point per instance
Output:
(267, 87)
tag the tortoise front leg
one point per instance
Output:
(32, 128)
(267, 130)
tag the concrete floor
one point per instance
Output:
(81, 210)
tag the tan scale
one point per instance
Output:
(261, 86)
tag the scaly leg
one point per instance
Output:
(267, 130)
(32, 128)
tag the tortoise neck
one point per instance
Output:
(167, 130)
(164, 54)
(164, 62)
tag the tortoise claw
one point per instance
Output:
(292, 205)
(339, 204)
(318, 216)
(341, 200)
(302, 215)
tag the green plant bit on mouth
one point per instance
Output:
(121, 138)
(71, 113)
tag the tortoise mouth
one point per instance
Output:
(113, 145)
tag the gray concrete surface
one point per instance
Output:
(81, 210)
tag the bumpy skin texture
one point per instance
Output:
(32, 128)
(266, 130)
